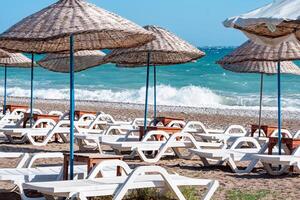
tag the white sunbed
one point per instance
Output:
(235, 154)
(112, 133)
(280, 164)
(26, 172)
(175, 143)
(50, 128)
(141, 177)
(103, 117)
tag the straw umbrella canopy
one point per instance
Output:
(72, 25)
(93, 28)
(278, 20)
(260, 67)
(166, 49)
(13, 60)
(60, 62)
(271, 24)
(251, 51)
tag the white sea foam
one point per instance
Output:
(190, 96)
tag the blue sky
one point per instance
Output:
(198, 21)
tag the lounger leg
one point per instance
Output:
(273, 172)
(142, 170)
(22, 194)
(212, 188)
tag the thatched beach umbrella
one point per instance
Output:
(60, 62)
(254, 56)
(260, 67)
(72, 25)
(14, 60)
(272, 24)
(166, 49)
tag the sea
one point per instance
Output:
(198, 84)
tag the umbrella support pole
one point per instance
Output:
(5, 92)
(72, 107)
(147, 89)
(260, 103)
(154, 75)
(279, 107)
(31, 89)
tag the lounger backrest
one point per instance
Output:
(177, 123)
(99, 168)
(56, 112)
(297, 135)
(152, 134)
(195, 126)
(284, 132)
(250, 141)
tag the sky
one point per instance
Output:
(197, 21)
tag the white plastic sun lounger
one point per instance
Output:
(108, 119)
(235, 154)
(141, 177)
(199, 127)
(29, 134)
(281, 163)
(50, 129)
(113, 133)
(26, 172)
(174, 143)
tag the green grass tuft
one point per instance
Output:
(248, 195)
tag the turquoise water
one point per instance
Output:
(200, 84)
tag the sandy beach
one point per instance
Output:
(255, 183)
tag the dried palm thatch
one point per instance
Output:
(166, 49)
(3, 54)
(264, 67)
(93, 28)
(83, 60)
(250, 51)
(15, 60)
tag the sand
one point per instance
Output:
(281, 187)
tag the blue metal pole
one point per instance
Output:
(260, 102)
(5, 92)
(31, 89)
(72, 107)
(154, 74)
(279, 107)
(147, 88)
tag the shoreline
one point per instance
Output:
(94, 104)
